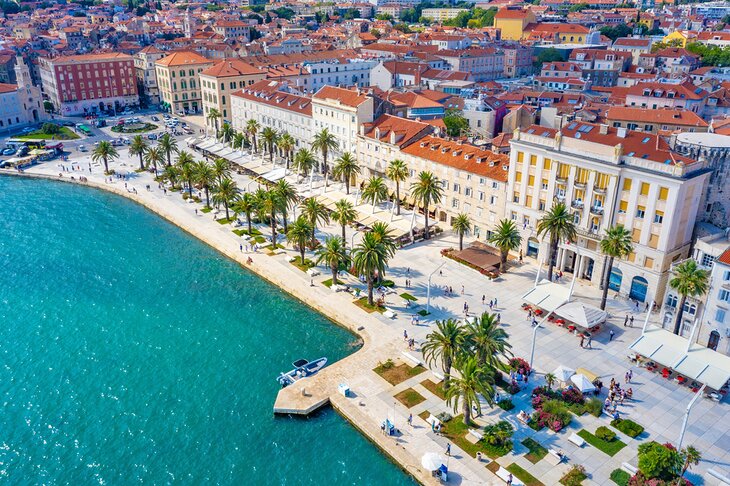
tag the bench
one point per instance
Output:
(629, 468)
(577, 440)
(476, 434)
(503, 474)
(411, 358)
(389, 314)
(554, 457)
(437, 375)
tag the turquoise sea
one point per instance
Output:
(131, 352)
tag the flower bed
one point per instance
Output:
(519, 365)
(550, 413)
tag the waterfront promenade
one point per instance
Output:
(659, 404)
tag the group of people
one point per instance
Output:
(617, 394)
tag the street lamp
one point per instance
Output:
(428, 290)
(352, 239)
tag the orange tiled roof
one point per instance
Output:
(8, 88)
(347, 97)
(183, 58)
(725, 257)
(269, 93)
(231, 67)
(406, 131)
(666, 116)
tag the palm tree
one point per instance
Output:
(343, 215)
(385, 235)
(558, 224)
(397, 172)
(461, 224)
(298, 234)
(689, 281)
(304, 161)
(616, 244)
(487, 340)
(138, 147)
(246, 204)
(205, 176)
(214, 115)
(269, 137)
(238, 141)
(154, 156)
(185, 163)
(252, 128)
(324, 141)
(507, 238)
(444, 344)
(474, 381)
(270, 204)
(105, 152)
(286, 144)
(550, 380)
(225, 193)
(227, 132)
(315, 212)
(171, 174)
(370, 257)
(346, 168)
(691, 457)
(168, 145)
(222, 169)
(427, 190)
(287, 197)
(375, 191)
(334, 254)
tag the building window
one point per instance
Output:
(640, 212)
(672, 301)
(720, 316)
(724, 295)
(707, 260)
(658, 217)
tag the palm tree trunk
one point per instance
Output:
(190, 188)
(334, 275)
(286, 223)
(461, 241)
(552, 256)
(425, 214)
(370, 290)
(344, 240)
(207, 197)
(347, 185)
(225, 203)
(467, 411)
(273, 228)
(141, 162)
(447, 373)
(397, 198)
(248, 220)
(503, 261)
(604, 296)
(324, 168)
(301, 252)
(168, 159)
(106, 165)
(680, 312)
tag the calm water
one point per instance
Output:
(132, 352)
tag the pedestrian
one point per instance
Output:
(631, 376)
(479, 456)
(196, 211)
(451, 290)
(405, 335)
(631, 321)
(509, 479)
(490, 305)
(610, 335)
(240, 247)
(483, 297)
(582, 339)
(441, 273)
(448, 449)
(626, 320)
(311, 282)
(499, 317)
(588, 343)
(410, 419)
(462, 290)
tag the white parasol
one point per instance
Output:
(432, 461)
(582, 383)
(563, 373)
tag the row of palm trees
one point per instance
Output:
(105, 152)
(474, 350)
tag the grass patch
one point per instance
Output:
(238, 232)
(506, 405)
(628, 427)
(424, 415)
(535, 426)
(206, 209)
(327, 283)
(493, 466)
(362, 303)
(65, 133)
(456, 430)
(259, 239)
(134, 128)
(523, 475)
(607, 447)
(423, 313)
(410, 398)
(408, 296)
(435, 388)
(225, 220)
(536, 451)
(574, 477)
(303, 266)
(397, 374)
(387, 283)
(620, 477)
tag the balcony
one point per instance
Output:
(580, 185)
(599, 190)
(561, 180)
(560, 197)
(577, 204)
(597, 210)
(592, 234)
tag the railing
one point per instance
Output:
(577, 204)
(580, 185)
(561, 180)
(599, 190)
(597, 210)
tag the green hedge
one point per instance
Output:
(620, 477)
(628, 427)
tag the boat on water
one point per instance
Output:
(302, 369)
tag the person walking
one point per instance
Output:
(410, 419)
(626, 320)
(582, 340)
(448, 449)
(610, 336)
(631, 321)
(588, 343)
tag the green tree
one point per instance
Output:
(690, 457)
(246, 204)
(461, 225)
(304, 162)
(324, 142)
(138, 147)
(466, 388)
(286, 144)
(225, 193)
(206, 177)
(615, 244)
(397, 172)
(168, 145)
(456, 124)
(614, 32)
(288, 197)
(578, 7)
(298, 234)
(105, 152)
(333, 253)
(212, 117)
(343, 215)
(375, 191)
(369, 258)
(550, 380)
(238, 140)
(252, 128)
(689, 280)
(269, 137)
(346, 168)
(315, 212)
(270, 204)
(227, 132)
(657, 461)
(507, 238)
(445, 344)
(172, 175)
(547, 55)
(50, 129)
(222, 169)
(558, 225)
(487, 340)
(154, 156)
(384, 234)
(185, 164)
(498, 434)
(427, 190)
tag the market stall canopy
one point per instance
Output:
(275, 175)
(563, 373)
(581, 314)
(582, 383)
(432, 461)
(547, 295)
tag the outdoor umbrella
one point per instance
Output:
(432, 461)
(582, 383)
(563, 373)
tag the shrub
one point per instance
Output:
(552, 414)
(572, 395)
(628, 427)
(620, 477)
(506, 405)
(387, 365)
(604, 433)
(50, 128)
(498, 434)
(519, 365)
(659, 461)
(444, 417)
(574, 477)
(594, 406)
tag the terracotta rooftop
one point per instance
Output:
(404, 130)
(347, 97)
(725, 257)
(665, 116)
(270, 93)
(183, 58)
(231, 67)
(8, 88)
(104, 57)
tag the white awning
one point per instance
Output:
(275, 175)
(206, 144)
(581, 314)
(547, 295)
(582, 383)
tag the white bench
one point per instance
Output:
(554, 457)
(503, 474)
(411, 358)
(629, 468)
(577, 440)
(312, 272)
(437, 375)
(389, 314)
(476, 434)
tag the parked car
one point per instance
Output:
(22, 151)
(181, 113)
(152, 136)
(82, 148)
(9, 151)
(154, 118)
(27, 130)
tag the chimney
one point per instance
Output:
(603, 130)
(621, 132)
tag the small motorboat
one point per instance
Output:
(302, 369)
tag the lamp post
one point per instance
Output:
(534, 334)
(352, 239)
(428, 289)
(686, 416)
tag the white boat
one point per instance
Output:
(302, 369)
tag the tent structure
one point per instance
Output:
(563, 373)
(582, 383)
(582, 314)
(275, 175)
(432, 461)
(547, 295)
